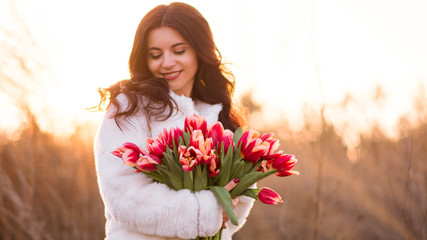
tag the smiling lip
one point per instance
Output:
(171, 75)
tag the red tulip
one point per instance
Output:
(214, 166)
(284, 164)
(228, 140)
(220, 136)
(171, 136)
(195, 122)
(129, 153)
(198, 141)
(189, 158)
(148, 163)
(216, 132)
(253, 147)
(156, 146)
(285, 173)
(268, 196)
(273, 146)
(284, 161)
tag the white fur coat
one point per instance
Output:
(138, 208)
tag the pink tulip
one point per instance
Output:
(220, 136)
(268, 196)
(171, 136)
(195, 122)
(273, 146)
(284, 164)
(216, 132)
(285, 173)
(198, 141)
(156, 146)
(189, 158)
(227, 140)
(129, 153)
(214, 166)
(264, 166)
(205, 146)
(285, 161)
(253, 147)
(148, 163)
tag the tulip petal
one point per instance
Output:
(195, 122)
(269, 196)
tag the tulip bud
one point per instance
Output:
(148, 163)
(129, 153)
(155, 146)
(268, 196)
(195, 122)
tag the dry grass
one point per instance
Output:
(383, 195)
(49, 188)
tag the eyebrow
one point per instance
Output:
(174, 45)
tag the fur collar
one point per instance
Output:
(186, 106)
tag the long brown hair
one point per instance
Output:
(213, 84)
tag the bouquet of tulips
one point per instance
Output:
(199, 157)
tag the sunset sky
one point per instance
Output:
(297, 56)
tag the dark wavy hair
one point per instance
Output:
(213, 84)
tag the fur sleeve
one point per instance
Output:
(139, 204)
(242, 211)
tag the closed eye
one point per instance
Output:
(155, 55)
(180, 52)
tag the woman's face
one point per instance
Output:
(172, 58)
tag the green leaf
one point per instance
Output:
(213, 181)
(188, 180)
(162, 168)
(245, 182)
(201, 178)
(176, 173)
(237, 169)
(224, 198)
(154, 175)
(226, 167)
(237, 135)
(251, 192)
(248, 180)
(217, 178)
(187, 137)
(256, 166)
(237, 153)
(168, 181)
(175, 149)
(181, 141)
(268, 173)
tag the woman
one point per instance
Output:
(176, 70)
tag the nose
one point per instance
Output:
(168, 61)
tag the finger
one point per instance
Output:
(225, 219)
(234, 201)
(230, 185)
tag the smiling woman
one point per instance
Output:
(172, 58)
(176, 71)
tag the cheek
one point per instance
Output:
(193, 63)
(153, 67)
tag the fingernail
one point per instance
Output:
(236, 180)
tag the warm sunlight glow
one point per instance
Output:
(296, 56)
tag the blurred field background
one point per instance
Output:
(356, 182)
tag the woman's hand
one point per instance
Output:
(234, 201)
